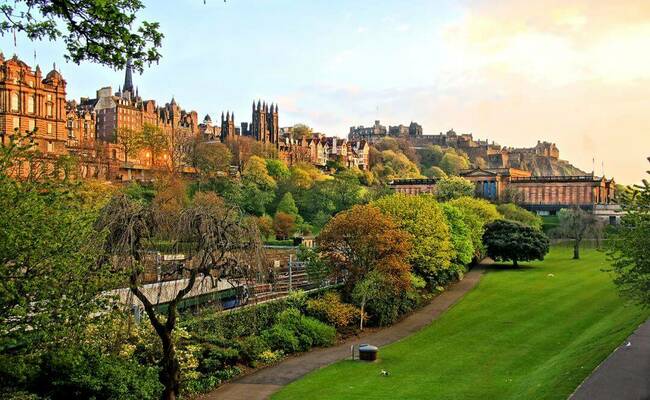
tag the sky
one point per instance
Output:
(576, 73)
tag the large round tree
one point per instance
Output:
(513, 241)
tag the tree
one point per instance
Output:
(371, 287)
(434, 172)
(223, 244)
(154, 140)
(461, 235)
(510, 240)
(476, 213)
(301, 130)
(288, 205)
(49, 280)
(576, 224)
(362, 239)
(453, 187)
(277, 169)
(130, 142)
(209, 159)
(265, 226)
(452, 163)
(423, 219)
(258, 188)
(95, 30)
(629, 246)
(513, 212)
(431, 155)
(284, 225)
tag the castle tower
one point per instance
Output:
(127, 89)
(228, 131)
(272, 124)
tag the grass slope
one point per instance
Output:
(521, 334)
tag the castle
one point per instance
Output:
(97, 130)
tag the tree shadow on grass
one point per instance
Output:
(507, 267)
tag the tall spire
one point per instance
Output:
(128, 78)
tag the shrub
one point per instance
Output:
(270, 356)
(309, 331)
(282, 338)
(513, 212)
(69, 374)
(252, 347)
(330, 309)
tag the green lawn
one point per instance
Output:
(521, 334)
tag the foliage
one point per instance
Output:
(476, 213)
(154, 140)
(284, 225)
(370, 288)
(258, 186)
(461, 235)
(576, 224)
(287, 205)
(332, 310)
(524, 320)
(453, 188)
(74, 373)
(452, 163)
(130, 142)
(95, 30)
(210, 159)
(431, 155)
(277, 169)
(394, 165)
(265, 226)
(298, 131)
(317, 269)
(510, 240)
(629, 247)
(513, 212)
(48, 262)
(434, 172)
(307, 330)
(423, 219)
(362, 239)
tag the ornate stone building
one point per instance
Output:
(30, 102)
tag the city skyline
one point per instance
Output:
(469, 67)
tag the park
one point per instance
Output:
(534, 332)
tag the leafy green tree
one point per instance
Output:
(511, 240)
(476, 213)
(317, 269)
(513, 212)
(49, 280)
(258, 187)
(434, 172)
(100, 31)
(454, 187)
(423, 219)
(288, 205)
(629, 247)
(461, 235)
(431, 155)
(395, 165)
(452, 163)
(576, 224)
(300, 130)
(371, 287)
(277, 169)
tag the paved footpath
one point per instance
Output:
(624, 375)
(263, 383)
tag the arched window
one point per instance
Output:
(30, 104)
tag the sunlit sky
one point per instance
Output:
(576, 73)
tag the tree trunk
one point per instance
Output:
(515, 263)
(576, 250)
(170, 372)
(363, 305)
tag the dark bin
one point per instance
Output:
(368, 352)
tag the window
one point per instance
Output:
(30, 104)
(50, 146)
(49, 128)
(16, 122)
(49, 97)
(14, 102)
(48, 109)
(32, 125)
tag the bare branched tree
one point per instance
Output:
(220, 243)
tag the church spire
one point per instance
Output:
(128, 77)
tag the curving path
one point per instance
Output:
(624, 375)
(263, 383)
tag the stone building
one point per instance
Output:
(414, 186)
(30, 102)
